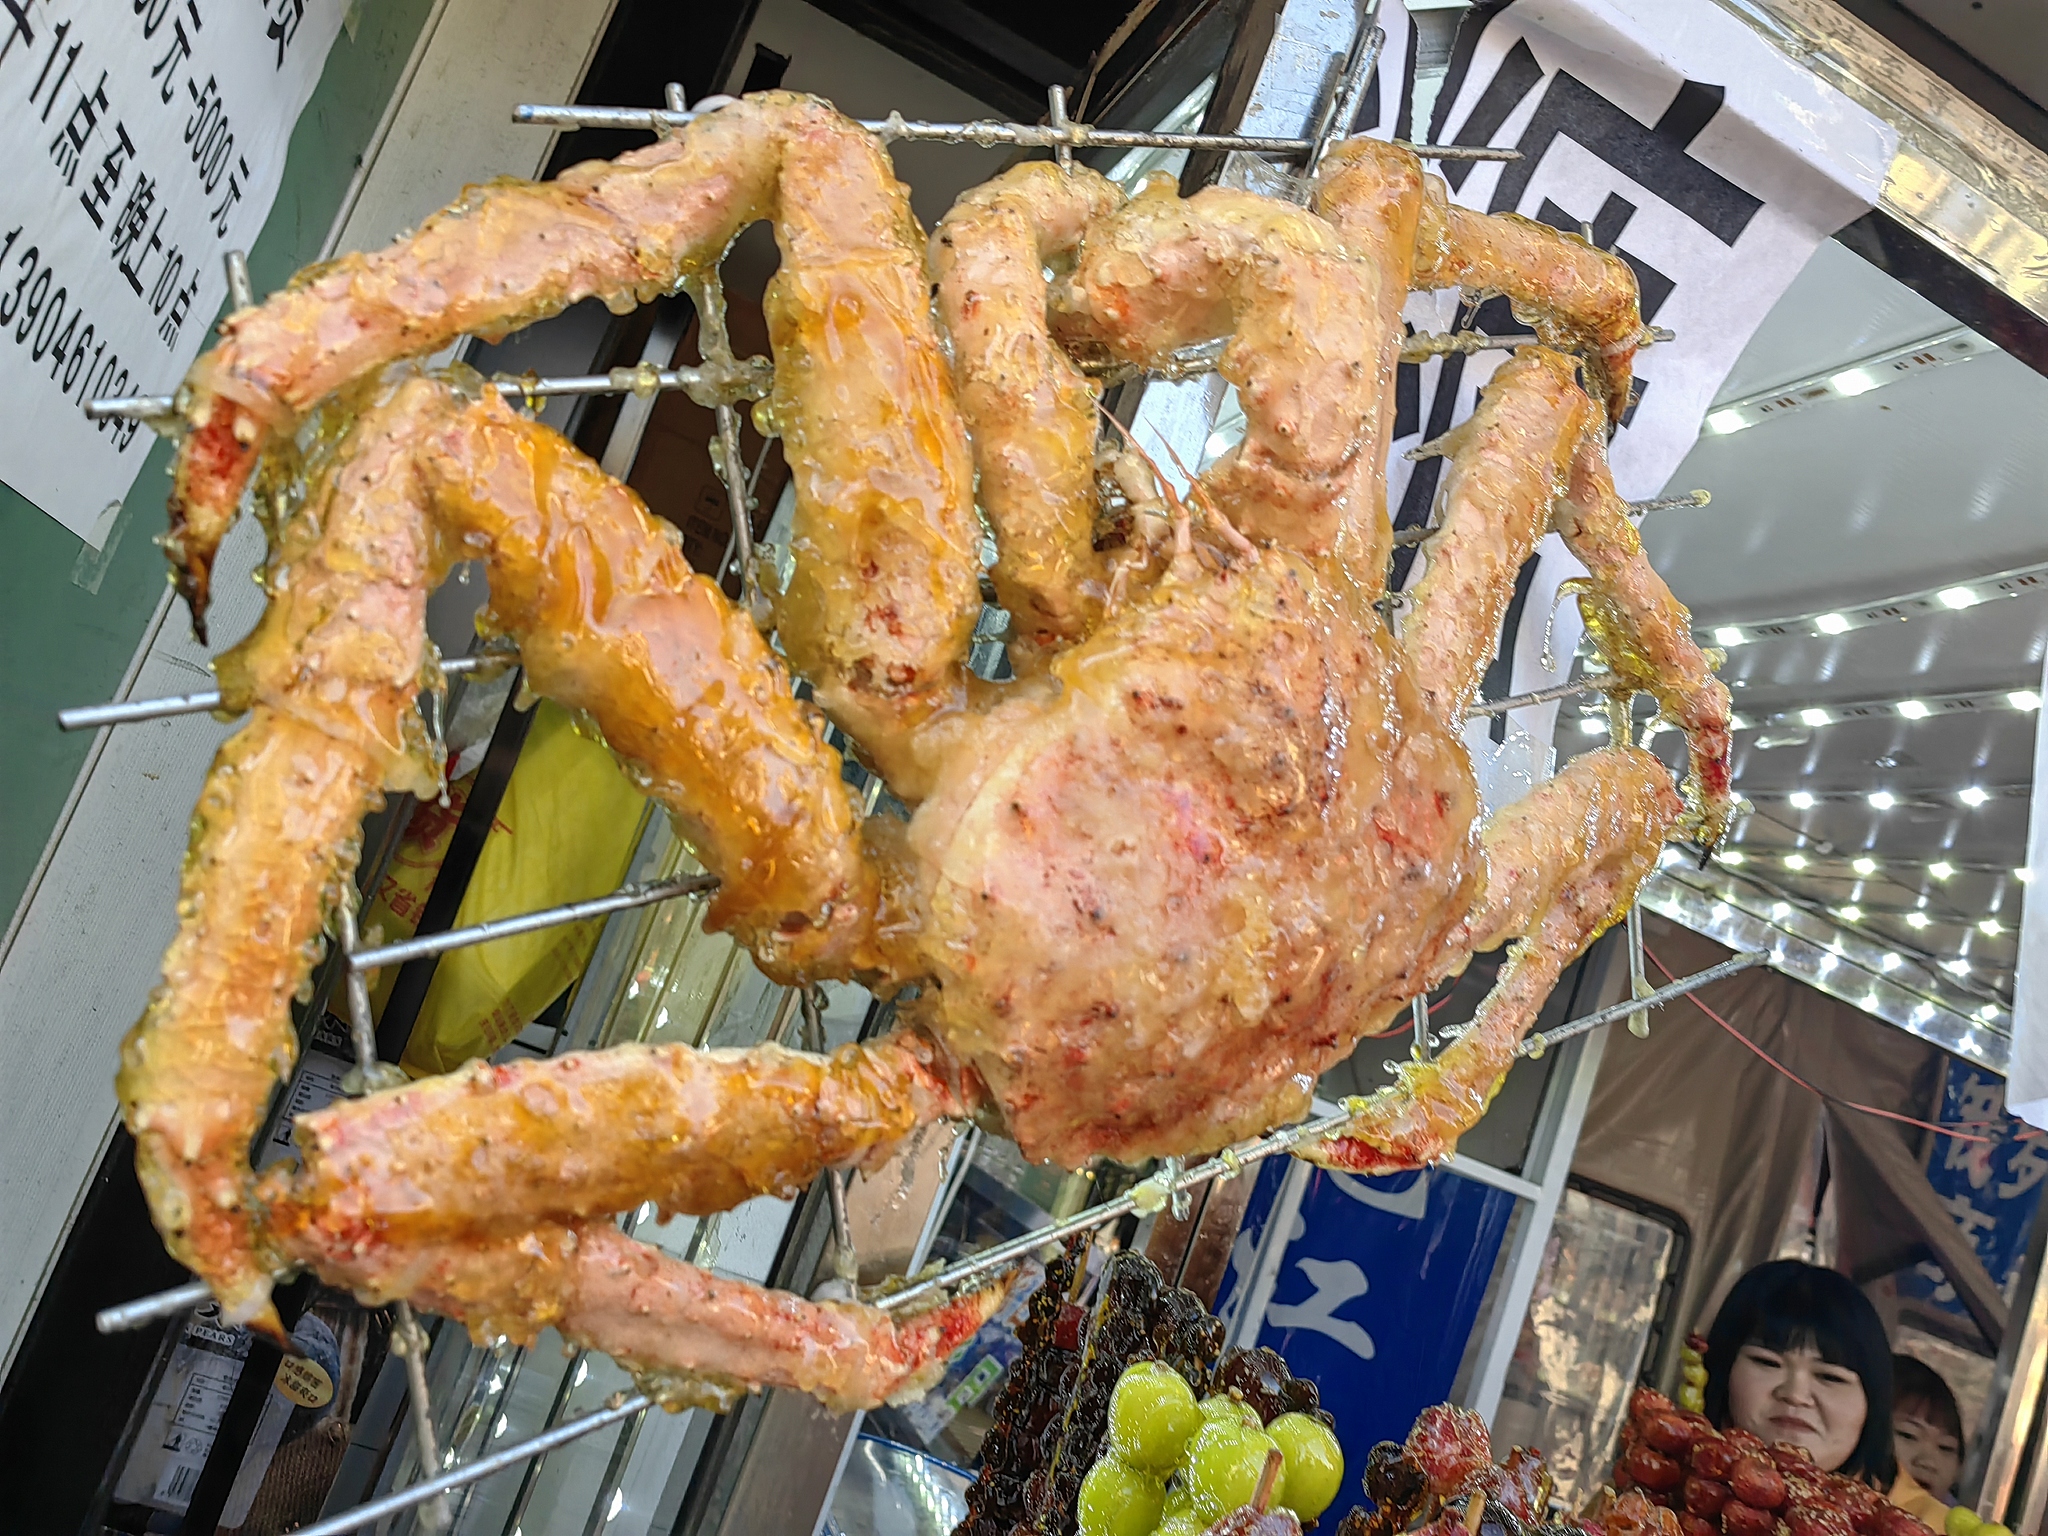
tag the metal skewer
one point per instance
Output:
(461, 1477)
(1341, 108)
(622, 900)
(368, 1075)
(134, 1314)
(1536, 1045)
(988, 133)
(741, 378)
(1592, 682)
(83, 717)
(130, 1315)
(89, 717)
(1233, 1161)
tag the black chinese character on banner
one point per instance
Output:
(128, 229)
(106, 180)
(69, 145)
(176, 52)
(284, 25)
(17, 23)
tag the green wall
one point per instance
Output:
(69, 619)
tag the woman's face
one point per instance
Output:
(1932, 1455)
(1793, 1397)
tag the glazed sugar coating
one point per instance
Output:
(1221, 825)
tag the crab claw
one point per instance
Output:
(223, 440)
(691, 1338)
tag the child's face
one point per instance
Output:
(1932, 1455)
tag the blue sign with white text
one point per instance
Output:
(1991, 1187)
(1377, 1292)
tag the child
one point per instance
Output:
(1927, 1427)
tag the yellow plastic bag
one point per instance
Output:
(564, 831)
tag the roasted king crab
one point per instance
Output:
(1221, 826)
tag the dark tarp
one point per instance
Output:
(1692, 1121)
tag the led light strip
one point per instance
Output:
(1845, 963)
(1971, 795)
(1926, 706)
(1955, 345)
(1736, 856)
(1923, 706)
(2018, 582)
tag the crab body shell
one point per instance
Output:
(1163, 895)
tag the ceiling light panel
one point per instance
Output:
(1957, 345)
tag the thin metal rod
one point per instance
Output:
(461, 1477)
(1056, 117)
(411, 1343)
(368, 1074)
(845, 1261)
(1535, 1045)
(1424, 345)
(1408, 538)
(622, 900)
(241, 292)
(1594, 682)
(1342, 107)
(90, 717)
(988, 133)
(1230, 1163)
(743, 378)
(1665, 503)
(1162, 1188)
(1638, 978)
(147, 1309)
(1418, 1017)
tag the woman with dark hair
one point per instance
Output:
(1797, 1356)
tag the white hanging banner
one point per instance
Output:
(149, 140)
(2026, 1088)
(1697, 153)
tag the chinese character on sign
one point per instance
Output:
(70, 58)
(152, 13)
(181, 306)
(19, 31)
(178, 51)
(69, 145)
(1969, 1217)
(128, 228)
(106, 180)
(284, 25)
(2028, 1167)
(232, 196)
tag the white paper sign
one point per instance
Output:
(147, 139)
(2026, 1092)
(1693, 149)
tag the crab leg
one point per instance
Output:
(1508, 465)
(691, 1338)
(507, 254)
(1645, 633)
(880, 612)
(609, 618)
(1578, 297)
(492, 1149)
(1313, 332)
(1564, 864)
(1030, 412)
(883, 603)
(329, 679)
